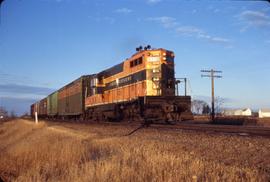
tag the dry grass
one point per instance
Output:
(78, 152)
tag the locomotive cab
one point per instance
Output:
(160, 73)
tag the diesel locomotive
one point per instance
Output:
(143, 87)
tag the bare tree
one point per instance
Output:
(200, 107)
(206, 109)
(3, 113)
(219, 102)
(12, 114)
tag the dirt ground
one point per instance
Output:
(101, 152)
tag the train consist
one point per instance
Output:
(142, 87)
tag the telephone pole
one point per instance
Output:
(211, 74)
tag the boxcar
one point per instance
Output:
(32, 110)
(52, 104)
(71, 98)
(35, 108)
(43, 108)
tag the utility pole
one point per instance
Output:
(211, 74)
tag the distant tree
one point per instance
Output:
(12, 114)
(219, 102)
(206, 109)
(196, 106)
(25, 115)
(3, 112)
(200, 107)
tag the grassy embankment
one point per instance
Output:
(50, 152)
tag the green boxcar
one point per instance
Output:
(52, 102)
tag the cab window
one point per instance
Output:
(136, 62)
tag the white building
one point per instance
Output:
(237, 112)
(264, 113)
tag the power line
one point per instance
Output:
(211, 74)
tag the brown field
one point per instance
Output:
(80, 152)
(233, 120)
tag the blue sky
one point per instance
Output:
(44, 44)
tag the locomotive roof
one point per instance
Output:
(83, 76)
(119, 67)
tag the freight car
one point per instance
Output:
(32, 110)
(71, 98)
(35, 109)
(140, 88)
(40, 107)
(52, 105)
(43, 107)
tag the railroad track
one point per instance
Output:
(207, 128)
(227, 129)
